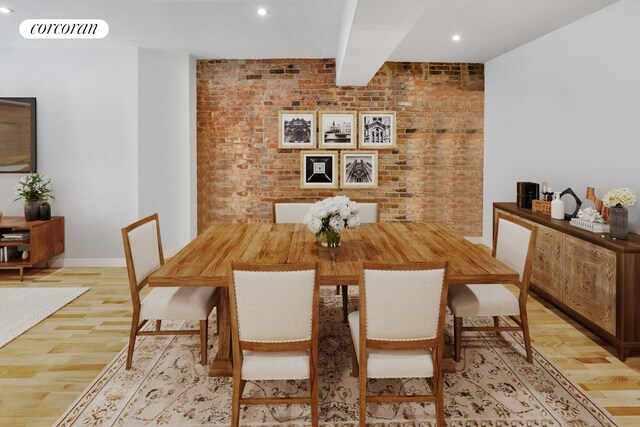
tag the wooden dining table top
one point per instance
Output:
(205, 261)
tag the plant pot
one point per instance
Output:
(32, 209)
(619, 222)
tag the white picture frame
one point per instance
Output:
(338, 130)
(359, 169)
(297, 130)
(377, 130)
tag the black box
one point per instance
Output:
(527, 191)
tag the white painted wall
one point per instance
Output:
(565, 109)
(87, 141)
(165, 96)
(116, 134)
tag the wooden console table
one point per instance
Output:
(46, 240)
(590, 276)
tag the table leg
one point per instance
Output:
(221, 366)
(448, 365)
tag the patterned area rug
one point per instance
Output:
(23, 308)
(493, 386)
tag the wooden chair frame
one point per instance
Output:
(238, 346)
(345, 288)
(135, 289)
(523, 322)
(436, 345)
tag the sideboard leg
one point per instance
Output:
(21, 274)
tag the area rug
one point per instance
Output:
(23, 308)
(493, 386)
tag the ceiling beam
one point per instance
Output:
(370, 32)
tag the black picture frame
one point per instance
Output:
(14, 141)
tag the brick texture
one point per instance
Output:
(435, 173)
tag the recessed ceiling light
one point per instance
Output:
(262, 11)
(5, 10)
(456, 37)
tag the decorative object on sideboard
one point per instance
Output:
(329, 217)
(526, 193)
(600, 207)
(591, 220)
(25, 255)
(45, 211)
(541, 207)
(557, 206)
(617, 200)
(546, 192)
(570, 192)
(34, 188)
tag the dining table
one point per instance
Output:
(205, 261)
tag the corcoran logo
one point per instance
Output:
(64, 29)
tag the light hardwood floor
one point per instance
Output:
(44, 370)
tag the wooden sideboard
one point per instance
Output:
(46, 240)
(590, 276)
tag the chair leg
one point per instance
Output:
(235, 400)
(355, 371)
(345, 304)
(363, 398)
(218, 320)
(439, 391)
(525, 331)
(496, 322)
(204, 328)
(457, 337)
(338, 290)
(158, 325)
(315, 415)
(132, 338)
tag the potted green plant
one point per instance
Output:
(35, 189)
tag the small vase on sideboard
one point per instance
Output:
(32, 209)
(619, 222)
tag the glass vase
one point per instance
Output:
(329, 239)
(619, 222)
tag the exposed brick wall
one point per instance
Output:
(434, 174)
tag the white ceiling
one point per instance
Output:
(308, 28)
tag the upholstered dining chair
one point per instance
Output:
(143, 254)
(290, 211)
(399, 330)
(368, 212)
(514, 244)
(274, 338)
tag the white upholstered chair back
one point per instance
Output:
(145, 249)
(368, 212)
(274, 306)
(512, 245)
(290, 213)
(403, 304)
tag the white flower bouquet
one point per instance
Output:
(619, 196)
(330, 216)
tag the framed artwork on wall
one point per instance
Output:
(359, 169)
(377, 130)
(319, 169)
(337, 130)
(297, 129)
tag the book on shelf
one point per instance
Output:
(16, 235)
(9, 253)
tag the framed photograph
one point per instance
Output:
(359, 169)
(337, 130)
(319, 169)
(17, 135)
(297, 129)
(378, 129)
